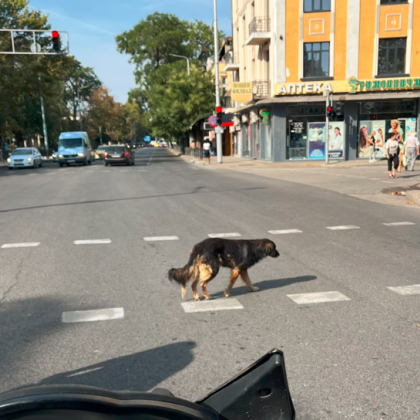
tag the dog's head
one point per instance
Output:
(270, 249)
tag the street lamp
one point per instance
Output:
(188, 61)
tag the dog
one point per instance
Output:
(208, 256)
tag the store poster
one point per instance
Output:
(378, 130)
(393, 127)
(336, 136)
(411, 126)
(316, 137)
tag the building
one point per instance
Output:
(288, 54)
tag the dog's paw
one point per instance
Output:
(198, 298)
(255, 289)
(227, 294)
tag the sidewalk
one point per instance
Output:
(359, 179)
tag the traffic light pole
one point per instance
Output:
(327, 130)
(216, 64)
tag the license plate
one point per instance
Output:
(116, 156)
(71, 161)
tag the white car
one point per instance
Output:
(25, 157)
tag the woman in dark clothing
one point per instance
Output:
(392, 154)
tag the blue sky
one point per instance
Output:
(93, 24)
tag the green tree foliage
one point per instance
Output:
(170, 100)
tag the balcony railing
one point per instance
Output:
(232, 58)
(261, 88)
(260, 24)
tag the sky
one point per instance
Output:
(93, 25)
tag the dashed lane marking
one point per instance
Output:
(284, 232)
(399, 224)
(92, 315)
(211, 305)
(224, 235)
(343, 227)
(21, 245)
(161, 238)
(305, 298)
(92, 241)
(406, 290)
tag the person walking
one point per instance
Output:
(411, 150)
(206, 147)
(392, 154)
(372, 141)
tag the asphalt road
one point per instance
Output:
(353, 358)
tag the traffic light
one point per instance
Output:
(219, 115)
(56, 41)
(331, 112)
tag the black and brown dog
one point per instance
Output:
(208, 256)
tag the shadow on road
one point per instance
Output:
(266, 285)
(141, 371)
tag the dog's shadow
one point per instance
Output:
(263, 286)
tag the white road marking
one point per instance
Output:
(399, 224)
(406, 290)
(305, 298)
(224, 235)
(375, 179)
(161, 238)
(93, 315)
(387, 182)
(211, 305)
(343, 227)
(21, 245)
(92, 241)
(284, 232)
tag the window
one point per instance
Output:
(316, 5)
(393, 1)
(392, 56)
(316, 60)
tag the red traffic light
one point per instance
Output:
(373, 117)
(55, 34)
(329, 109)
(219, 109)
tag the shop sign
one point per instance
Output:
(351, 85)
(242, 92)
(265, 115)
(393, 107)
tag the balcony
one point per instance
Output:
(259, 31)
(261, 88)
(232, 61)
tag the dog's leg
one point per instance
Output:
(233, 277)
(245, 278)
(194, 289)
(183, 291)
(206, 275)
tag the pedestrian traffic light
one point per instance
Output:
(219, 115)
(56, 41)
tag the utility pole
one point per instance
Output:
(44, 124)
(80, 105)
(216, 63)
(100, 133)
(188, 61)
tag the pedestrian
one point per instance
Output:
(372, 141)
(206, 147)
(392, 154)
(411, 150)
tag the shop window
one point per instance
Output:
(394, 1)
(317, 6)
(316, 60)
(392, 56)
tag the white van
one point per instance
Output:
(74, 147)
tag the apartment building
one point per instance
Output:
(287, 54)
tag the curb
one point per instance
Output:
(414, 197)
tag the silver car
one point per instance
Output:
(25, 157)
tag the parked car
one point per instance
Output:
(118, 154)
(24, 157)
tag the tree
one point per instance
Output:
(103, 111)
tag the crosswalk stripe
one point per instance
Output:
(305, 298)
(21, 245)
(161, 238)
(92, 241)
(343, 227)
(406, 290)
(284, 232)
(399, 224)
(211, 305)
(224, 235)
(92, 315)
